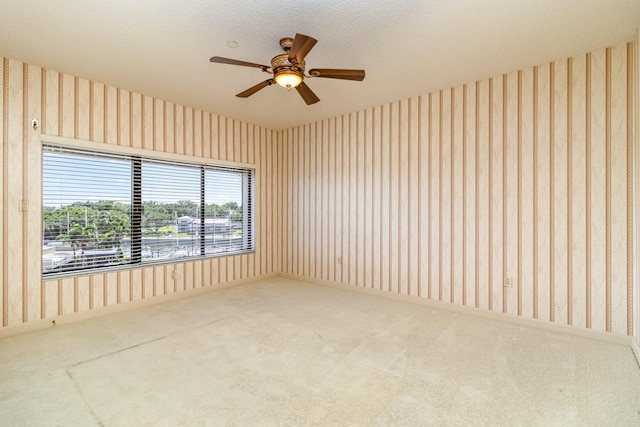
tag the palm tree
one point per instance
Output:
(77, 235)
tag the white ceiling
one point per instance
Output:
(161, 48)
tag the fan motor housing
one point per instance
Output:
(281, 62)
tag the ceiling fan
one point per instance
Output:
(288, 69)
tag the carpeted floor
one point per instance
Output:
(282, 352)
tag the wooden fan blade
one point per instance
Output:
(247, 93)
(221, 60)
(307, 94)
(332, 73)
(301, 46)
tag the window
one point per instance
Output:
(104, 210)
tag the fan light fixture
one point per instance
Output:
(288, 78)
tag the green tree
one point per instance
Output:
(102, 224)
(187, 208)
(78, 236)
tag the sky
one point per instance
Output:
(70, 178)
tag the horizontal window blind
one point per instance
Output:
(224, 220)
(104, 211)
(86, 212)
(171, 196)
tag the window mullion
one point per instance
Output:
(246, 203)
(136, 210)
(202, 212)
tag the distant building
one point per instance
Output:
(184, 224)
(189, 225)
(51, 259)
(100, 257)
(66, 258)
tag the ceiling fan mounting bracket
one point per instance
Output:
(286, 43)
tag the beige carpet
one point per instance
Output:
(281, 352)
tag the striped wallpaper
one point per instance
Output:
(511, 194)
(72, 107)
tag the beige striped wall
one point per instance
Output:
(524, 177)
(72, 107)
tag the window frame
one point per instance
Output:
(137, 157)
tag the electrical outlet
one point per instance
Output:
(174, 275)
(339, 260)
(507, 282)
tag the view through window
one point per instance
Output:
(102, 210)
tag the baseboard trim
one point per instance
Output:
(37, 325)
(609, 337)
(635, 347)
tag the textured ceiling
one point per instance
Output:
(161, 48)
